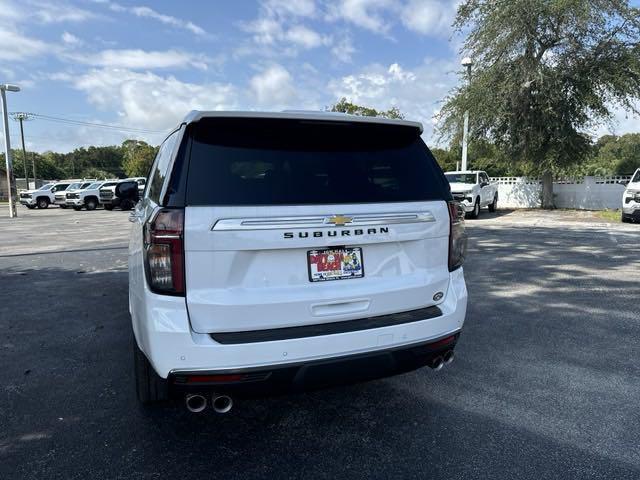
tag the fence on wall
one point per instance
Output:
(587, 193)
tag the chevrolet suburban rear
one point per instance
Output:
(291, 250)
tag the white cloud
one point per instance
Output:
(19, 47)
(368, 14)
(343, 49)
(71, 39)
(416, 92)
(147, 100)
(429, 17)
(59, 12)
(148, 12)
(142, 59)
(305, 37)
(297, 8)
(273, 87)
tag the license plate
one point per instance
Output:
(335, 264)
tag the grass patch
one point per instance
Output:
(609, 215)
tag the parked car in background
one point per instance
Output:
(291, 250)
(473, 190)
(43, 196)
(631, 199)
(110, 200)
(88, 197)
(60, 198)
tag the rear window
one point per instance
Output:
(280, 162)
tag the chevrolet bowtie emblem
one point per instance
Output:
(339, 220)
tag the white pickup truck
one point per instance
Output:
(631, 199)
(473, 190)
(88, 197)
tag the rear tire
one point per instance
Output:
(77, 208)
(493, 206)
(150, 387)
(108, 207)
(31, 207)
(625, 219)
(43, 202)
(476, 210)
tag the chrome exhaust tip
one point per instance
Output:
(437, 363)
(222, 403)
(448, 357)
(195, 403)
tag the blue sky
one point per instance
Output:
(144, 65)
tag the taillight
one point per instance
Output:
(164, 252)
(457, 236)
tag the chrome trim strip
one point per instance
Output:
(280, 223)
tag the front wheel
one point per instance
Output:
(31, 207)
(91, 204)
(493, 206)
(150, 387)
(63, 206)
(43, 202)
(77, 208)
(625, 219)
(476, 209)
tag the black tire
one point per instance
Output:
(476, 209)
(77, 208)
(625, 219)
(493, 206)
(42, 202)
(108, 207)
(150, 387)
(30, 207)
(63, 206)
(91, 203)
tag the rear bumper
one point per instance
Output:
(163, 333)
(315, 374)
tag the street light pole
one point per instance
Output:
(466, 62)
(11, 186)
(20, 117)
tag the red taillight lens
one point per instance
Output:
(164, 252)
(457, 236)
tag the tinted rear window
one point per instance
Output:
(293, 162)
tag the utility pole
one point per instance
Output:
(11, 186)
(466, 62)
(20, 117)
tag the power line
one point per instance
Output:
(69, 121)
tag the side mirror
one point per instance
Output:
(128, 191)
(623, 182)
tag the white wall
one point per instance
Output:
(588, 193)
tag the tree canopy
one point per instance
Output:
(344, 106)
(544, 72)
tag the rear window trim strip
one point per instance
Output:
(357, 220)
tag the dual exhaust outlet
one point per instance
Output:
(196, 403)
(441, 360)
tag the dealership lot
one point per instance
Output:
(546, 381)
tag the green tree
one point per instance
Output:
(617, 155)
(545, 71)
(138, 157)
(344, 106)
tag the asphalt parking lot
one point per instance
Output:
(546, 382)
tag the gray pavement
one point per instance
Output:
(546, 382)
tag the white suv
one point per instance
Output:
(631, 199)
(291, 250)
